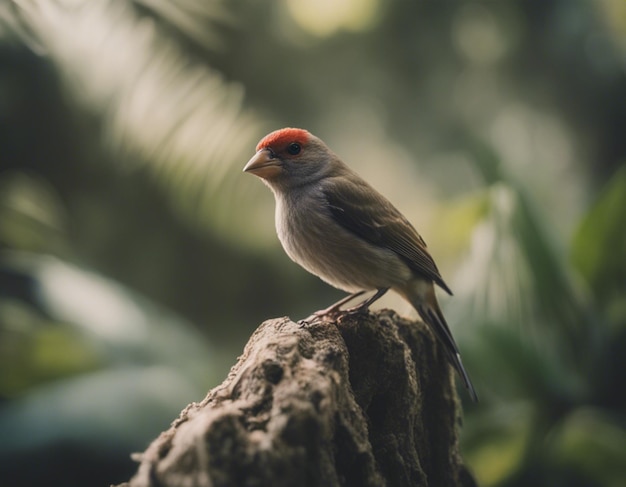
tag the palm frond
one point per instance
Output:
(157, 107)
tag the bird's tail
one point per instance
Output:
(422, 297)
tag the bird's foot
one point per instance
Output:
(309, 320)
(330, 313)
(319, 316)
(334, 311)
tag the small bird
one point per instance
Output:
(339, 228)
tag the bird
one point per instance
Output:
(335, 225)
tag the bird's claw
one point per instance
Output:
(320, 316)
(304, 322)
(309, 320)
(334, 312)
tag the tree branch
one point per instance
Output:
(367, 400)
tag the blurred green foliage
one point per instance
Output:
(136, 258)
(599, 247)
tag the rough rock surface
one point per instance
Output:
(367, 400)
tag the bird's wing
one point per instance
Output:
(362, 210)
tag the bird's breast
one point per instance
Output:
(315, 240)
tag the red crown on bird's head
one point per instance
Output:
(283, 137)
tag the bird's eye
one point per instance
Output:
(294, 148)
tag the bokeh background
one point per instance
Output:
(136, 258)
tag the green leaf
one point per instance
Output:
(495, 441)
(592, 441)
(599, 245)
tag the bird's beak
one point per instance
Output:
(264, 164)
